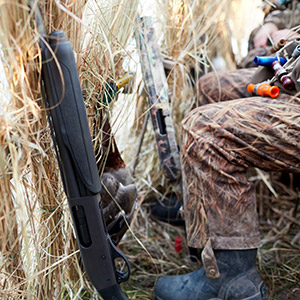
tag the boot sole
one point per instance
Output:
(157, 298)
(254, 297)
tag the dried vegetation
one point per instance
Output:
(38, 254)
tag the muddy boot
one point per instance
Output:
(239, 280)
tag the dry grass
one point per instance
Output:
(278, 258)
(194, 32)
(38, 257)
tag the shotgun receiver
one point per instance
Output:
(79, 172)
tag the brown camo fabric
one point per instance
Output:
(220, 141)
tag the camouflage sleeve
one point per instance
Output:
(283, 19)
(247, 61)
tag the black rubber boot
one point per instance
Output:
(239, 280)
(167, 210)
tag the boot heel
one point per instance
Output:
(249, 280)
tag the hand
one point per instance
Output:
(282, 34)
(261, 38)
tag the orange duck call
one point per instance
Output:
(263, 89)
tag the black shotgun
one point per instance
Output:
(71, 135)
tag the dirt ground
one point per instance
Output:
(293, 294)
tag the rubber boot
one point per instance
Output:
(239, 280)
(167, 210)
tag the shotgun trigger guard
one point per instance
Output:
(116, 253)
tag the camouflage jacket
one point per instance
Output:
(283, 18)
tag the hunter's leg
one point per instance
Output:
(220, 142)
(223, 86)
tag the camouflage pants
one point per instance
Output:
(220, 141)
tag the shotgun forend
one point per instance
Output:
(267, 61)
(71, 135)
(263, 89)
